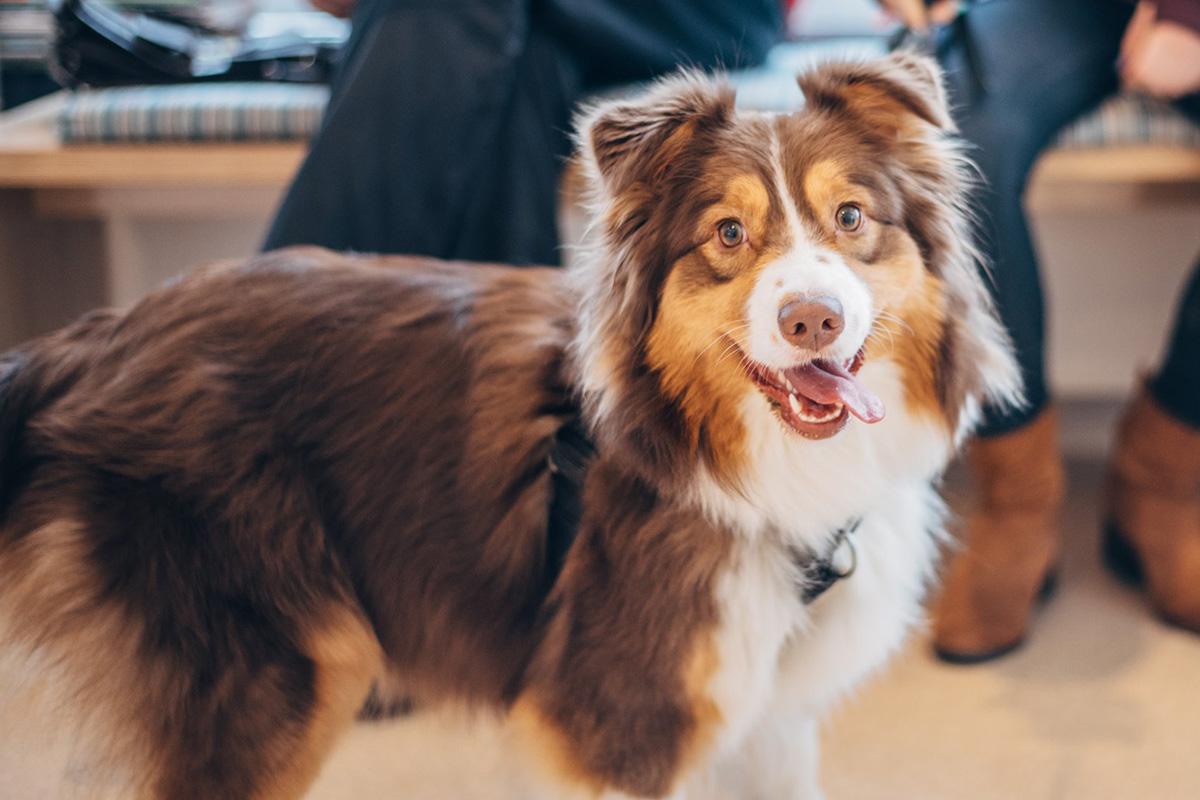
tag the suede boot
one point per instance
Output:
(1010, 552)
(1153, 509)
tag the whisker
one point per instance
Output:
(891, 337)
(728, 333)
(731, 348)
(888, 316)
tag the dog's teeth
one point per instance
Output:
(779, 376)
(815, 419)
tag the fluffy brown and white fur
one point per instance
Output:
(228, 513)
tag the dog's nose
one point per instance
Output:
(811, 322)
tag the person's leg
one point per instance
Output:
(441, 137)
(1152, 500)
(1019, 71)
(1026, 69)
(624, 41)
(1176, 387)
(449, 121)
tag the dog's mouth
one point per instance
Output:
(816, 399)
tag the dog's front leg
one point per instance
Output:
(778, 760)
(618, 696)
(575, 760)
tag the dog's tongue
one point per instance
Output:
(827, 382)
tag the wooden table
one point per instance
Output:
(86, 225)
(33, 157)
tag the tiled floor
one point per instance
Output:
(1104, 702)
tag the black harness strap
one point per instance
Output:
(570, 455)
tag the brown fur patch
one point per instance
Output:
(81, 672)
(551, 752)
(893, 93)
(692, 349)
(347, 658)
(631, 715)
(558, 757)
(702, 667)
(911, 333)
(696, 345)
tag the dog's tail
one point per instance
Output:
(32, 377)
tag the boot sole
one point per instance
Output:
(1045, 594)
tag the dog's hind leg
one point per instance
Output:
(263, 733)
(234, 705)
(346, 658)
(211, 657)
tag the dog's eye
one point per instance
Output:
(849, 217)
(730, 232)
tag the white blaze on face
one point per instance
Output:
(806, 271)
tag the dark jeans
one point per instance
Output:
(449, 120)
(1019, 72)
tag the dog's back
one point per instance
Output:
(225, 510)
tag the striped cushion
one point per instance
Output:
(265, 111)
(1128, 120)
(194, 112)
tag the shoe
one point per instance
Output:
(1152, 518)
(1010, 552)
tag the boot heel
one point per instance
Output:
(1120, 557)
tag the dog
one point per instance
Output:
(655, 512)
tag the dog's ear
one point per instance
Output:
(891, 92)
(638, 140)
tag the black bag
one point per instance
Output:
(97, 45)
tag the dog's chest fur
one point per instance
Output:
(773, 649)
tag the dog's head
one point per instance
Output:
(773, 256)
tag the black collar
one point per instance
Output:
(570, 455)
(819, 573)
